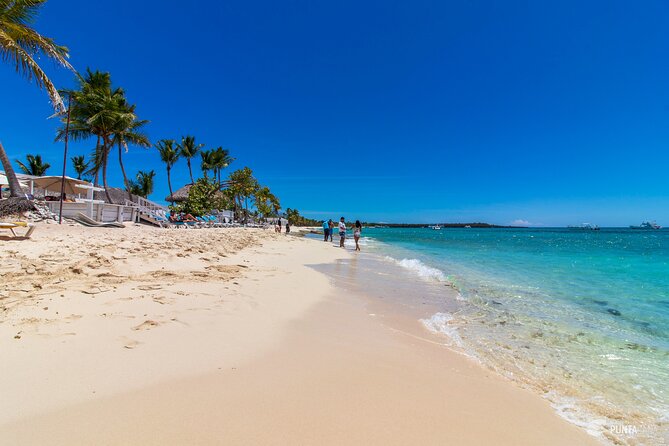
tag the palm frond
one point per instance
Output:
(26, 66)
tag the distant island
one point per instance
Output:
(443, 225)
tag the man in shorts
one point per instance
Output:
(342, 232)
(326, 230)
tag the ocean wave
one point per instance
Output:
(439, 323)
(570, 410)
(421, 269)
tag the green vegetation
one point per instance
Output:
(188, 149)
(99, 110)
(294, 217)
(80, 165)
(143, 185)
(34, 166)
(203, 197)
(21, 46)
(168, 155)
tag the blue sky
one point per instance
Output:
(553, 113)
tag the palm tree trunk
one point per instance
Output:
(14, 186)
(169, 184)
(190, 171)
(125, 177)
(105, 157)
(96, 163)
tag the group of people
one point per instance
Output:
(277, 227)
(329, 229)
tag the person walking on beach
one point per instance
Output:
(331, 224)
(342, 232)
(326, 230)
(288, 227)
(278, 226)
(357, 231)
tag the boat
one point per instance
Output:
(468, 226)
(584, 227)
(436, 227)
(647, 225)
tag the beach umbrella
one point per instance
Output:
(53, 184)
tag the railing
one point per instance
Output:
(144, 203)
(145, 207)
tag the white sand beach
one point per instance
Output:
(143, 336)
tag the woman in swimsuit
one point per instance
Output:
(357, 231)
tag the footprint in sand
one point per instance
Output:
(130, 344)
(146, 325)
(149, 287)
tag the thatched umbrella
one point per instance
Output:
(179, 195)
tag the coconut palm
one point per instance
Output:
(266, 202)
(34, 165)
(98, 110)
(220, 160)
(168, 155)
(143, 185)
(21, 45)
(208, 161)
(188, 149)
(129, 131)
(242, 186)
(80, 165)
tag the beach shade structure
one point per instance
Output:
(5, 182)
(179, 195)
(53, 184)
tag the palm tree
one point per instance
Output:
(34, 165)
(168, 155)
(98, 110)
(143, 185)
(243, 185)
(188, 149)
(208, 161)
(293, 216)
(129, 130)
(265, 202)
(21, 45)
(221, 160)
(80, 165)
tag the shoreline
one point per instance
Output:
(501, 337)
(280, 355)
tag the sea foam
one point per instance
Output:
(439, 323)
(421, 269)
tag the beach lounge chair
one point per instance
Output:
(175, 224)
(87, 221)
(214, 221)
(18, 224)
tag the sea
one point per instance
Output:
(582, 317)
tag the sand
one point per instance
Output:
(142, 336)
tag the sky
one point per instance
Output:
(533, 113)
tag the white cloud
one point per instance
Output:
(520, 222)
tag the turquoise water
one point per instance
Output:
(581, 316)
